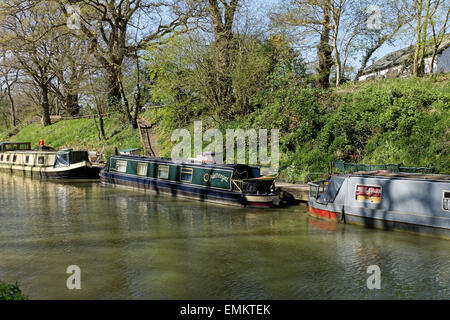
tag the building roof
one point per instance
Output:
(398, 57)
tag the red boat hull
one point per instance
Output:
(323, 213)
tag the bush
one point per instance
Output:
(403, 121)
(11, 292)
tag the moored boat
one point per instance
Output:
(45, 162)
(408, 201)
(196, 179)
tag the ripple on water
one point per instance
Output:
(134, 245)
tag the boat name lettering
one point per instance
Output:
(219, 176)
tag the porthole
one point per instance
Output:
(206, 177)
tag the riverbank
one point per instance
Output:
(386, 121)
(403, 121)
(83, 134)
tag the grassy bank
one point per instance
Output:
(403, 121)
(397, 121)
(80, 134)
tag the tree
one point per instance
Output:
(425, 12)
(106, 25)
(222, 14)
(73, 64)
(438, 34)
(28, 36)
(10, 78)
(314, 17)
(396, 16)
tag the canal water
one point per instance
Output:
(136, 245)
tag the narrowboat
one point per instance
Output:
(380, 199)
(45, 162)
(235, 184)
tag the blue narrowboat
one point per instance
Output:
(408, 201)
(236, 184)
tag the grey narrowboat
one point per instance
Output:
(45, 162)
(223, 183)
(409, 201)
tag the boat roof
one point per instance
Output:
(168, 160)
(12, 142)
(129, 150)
(403, 175)
(31, 151)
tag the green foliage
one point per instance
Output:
(186, 81)
(403, 121)
(389, 121)
(11, 292)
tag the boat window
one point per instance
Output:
(446, 201)
(7, 158)
(27, 159)
(368, 193)
(163, 172)
(186, 174)
(1, 158)
(79, 156)
(142, 169)
(121, 166)
(14, 158)
(41, 160)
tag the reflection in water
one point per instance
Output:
(135, 245)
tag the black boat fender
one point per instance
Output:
(343, 215)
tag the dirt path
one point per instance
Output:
(148, 138)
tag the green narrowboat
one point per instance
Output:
(224, 183)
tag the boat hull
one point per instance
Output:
(187, 191)
(82, 170)
(400, 204)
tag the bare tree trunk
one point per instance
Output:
(126, 104)
(338, 63)
(415, 69)
(421, 60)
(114, 93)
(223, 31)
(324, 51)
(102, 125)
(8, 91)
(336, 14)
(45, 105)
(11, 103)
(138, 96)
(438, 37)
(370, 51)
(71, 104)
